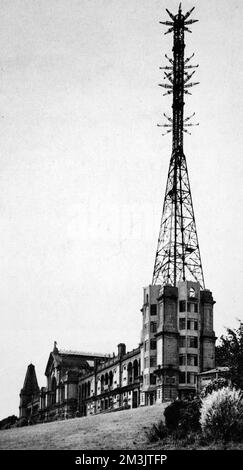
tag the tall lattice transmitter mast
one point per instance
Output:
(178, 256)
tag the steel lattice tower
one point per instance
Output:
(178, 255)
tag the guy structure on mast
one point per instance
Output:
(178, 256)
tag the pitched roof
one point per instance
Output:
(68, 352)
(30, 382)
(72, 359)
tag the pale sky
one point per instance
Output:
(83, 170)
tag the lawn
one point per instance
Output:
(120, 430)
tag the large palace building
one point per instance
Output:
(177, 341)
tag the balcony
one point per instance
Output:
(106, 388)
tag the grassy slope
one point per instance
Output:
(119, 430)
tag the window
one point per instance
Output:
(182, 342)
(146, 346)
(153, 327)
(192, 360)
(152, 379)
(192, 292)
(192, 324)
(182, 377)
(53, 390)
(182, 360)
(182, 306)
(182, 323)
(191, 378)
(153, 361)
(153, 309)
(153, 344)
(190, 307)
(170, 380)
(192, 342)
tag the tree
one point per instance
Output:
(6, 423)
(229, 353)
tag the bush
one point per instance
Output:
(183, 415)
(190, 416)
(215, 384)
(157, 432)
(22, 422)
(172, 414)
(6, 423)
(221, 415)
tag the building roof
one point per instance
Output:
(30, 386)
(68, 352)
(214, 371)
(75, 360)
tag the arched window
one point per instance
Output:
(129, 373)
(135, 369)
(102, 380)
(53, 390)
(110, 378)
(62, 393)
(192, 292)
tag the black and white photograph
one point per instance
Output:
(121, 228)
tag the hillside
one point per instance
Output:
(119, 430)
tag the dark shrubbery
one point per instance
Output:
(157, 432)
(181, 421)
(190, 416)
(183, 414)
(229, 353)
(8, 422)
(22, 422)
(215, 418)
(172, 414)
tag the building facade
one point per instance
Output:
(177, 345)
(178, 340)
(80, 384)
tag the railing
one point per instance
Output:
(106, 388)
